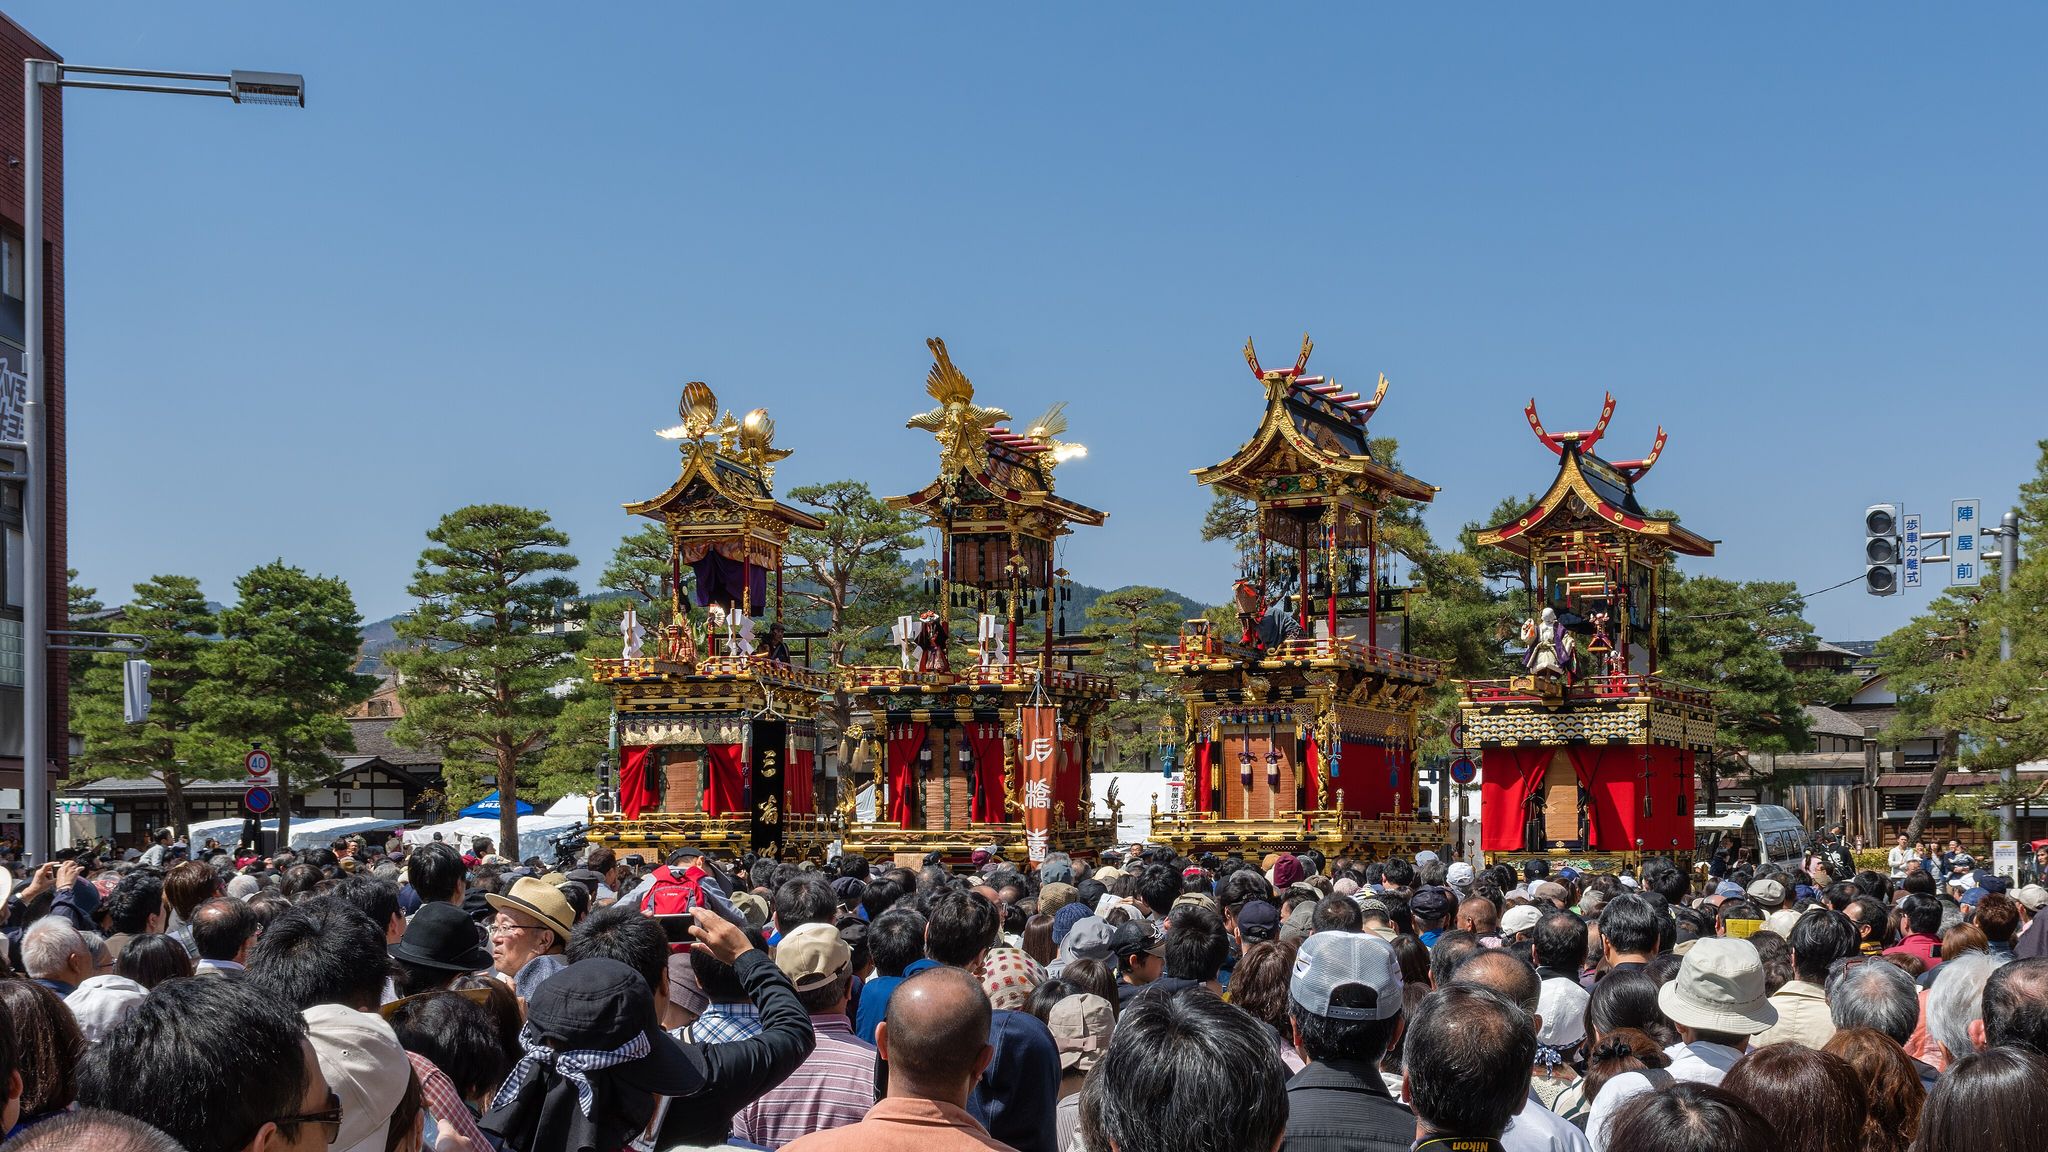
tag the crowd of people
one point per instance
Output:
(371, 998)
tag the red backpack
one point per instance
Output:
(675, 894)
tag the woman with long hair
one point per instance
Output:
(1812, 1100)
(1259, 986)
(1617, 1051)
(1037, 942)
(47, 1049)
(1896, 1094)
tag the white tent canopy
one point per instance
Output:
(534, 833)
(305, 833)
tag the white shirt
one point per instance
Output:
(1538, 1129)
(218, 965)
(1698, 1062)
(1898, 858)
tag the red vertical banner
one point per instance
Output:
(1038, 758)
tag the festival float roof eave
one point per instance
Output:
(733, 481)
(1034, 499)
(1602, 489)
(1298, 409)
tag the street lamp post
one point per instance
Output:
(241, 87)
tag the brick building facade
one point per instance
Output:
(16, 46)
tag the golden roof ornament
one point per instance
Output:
(757, 444)
(1046, 430)
(698, 410)
(960, 424)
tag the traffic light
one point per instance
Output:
(134, 691)
(1881, 549)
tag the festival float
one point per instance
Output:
(714, 726)
(977, 737)
(1588, 756)
(1300, 724)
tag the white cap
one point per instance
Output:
(1781, 921)
(102, 1002)
(1563, 1009)
(365, 1066)
(1520, 918)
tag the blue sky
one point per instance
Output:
(483, 260)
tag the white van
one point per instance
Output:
(1768, 834)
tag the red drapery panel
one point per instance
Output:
(800, 794)
(1199, 802)
(1365, 777)
(1309, 761)
(636, 783)
(1604, 819)
(985, 741)
(1689, 779)
(1507, 777)
(725, 788)
(905, 742)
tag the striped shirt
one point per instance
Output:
(834, 1086)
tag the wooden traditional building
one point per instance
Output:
(1590, 754)
(715, 726)
(1300, 727)
(983, 741)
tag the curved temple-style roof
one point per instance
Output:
(1318, 424)
(1603, 489)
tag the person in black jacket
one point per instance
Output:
(738, 1073)
(1345, 1009)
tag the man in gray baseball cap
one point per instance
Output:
(1344, 1008)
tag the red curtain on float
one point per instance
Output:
(725, 785)
(1199, 802)
(985, 742)
(1368, 778)
(636, 780)
(1507, 778)
(1606, 820)
(1310, 759)
(1067, 785)
(905, 742)
(800, 793)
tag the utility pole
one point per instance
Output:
(2008, 536)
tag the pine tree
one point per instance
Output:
(281, 677)
(492, 641)
(171, 613)
(1129, 620)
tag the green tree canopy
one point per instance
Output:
(172, 614)
(489, 648)
(1128, 620)
(281, 677)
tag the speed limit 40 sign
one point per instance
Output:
(258, 764)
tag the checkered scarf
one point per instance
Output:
(573, 1066)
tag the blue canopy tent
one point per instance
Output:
(487, 808)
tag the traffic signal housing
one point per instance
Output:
(1882, 549)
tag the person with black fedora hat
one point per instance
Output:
(439, 944)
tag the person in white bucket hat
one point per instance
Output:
(1717, 1001)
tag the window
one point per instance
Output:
(11, 265)
(17, 572)
(10, 653)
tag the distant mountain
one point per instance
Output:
(380, 636)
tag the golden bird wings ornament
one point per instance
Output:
(699, 410)
(960, 424)
(1046, 430)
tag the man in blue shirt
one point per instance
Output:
(896, 940)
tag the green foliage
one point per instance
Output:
(80, 602)
(1130, 619)
(1732, 637)
(281, 676)
(639, 568)
(171, 613)
(488, 647)
(1946, 670)
(850, 576)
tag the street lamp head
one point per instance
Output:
(282, 88)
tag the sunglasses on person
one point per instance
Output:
(328, 1118)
